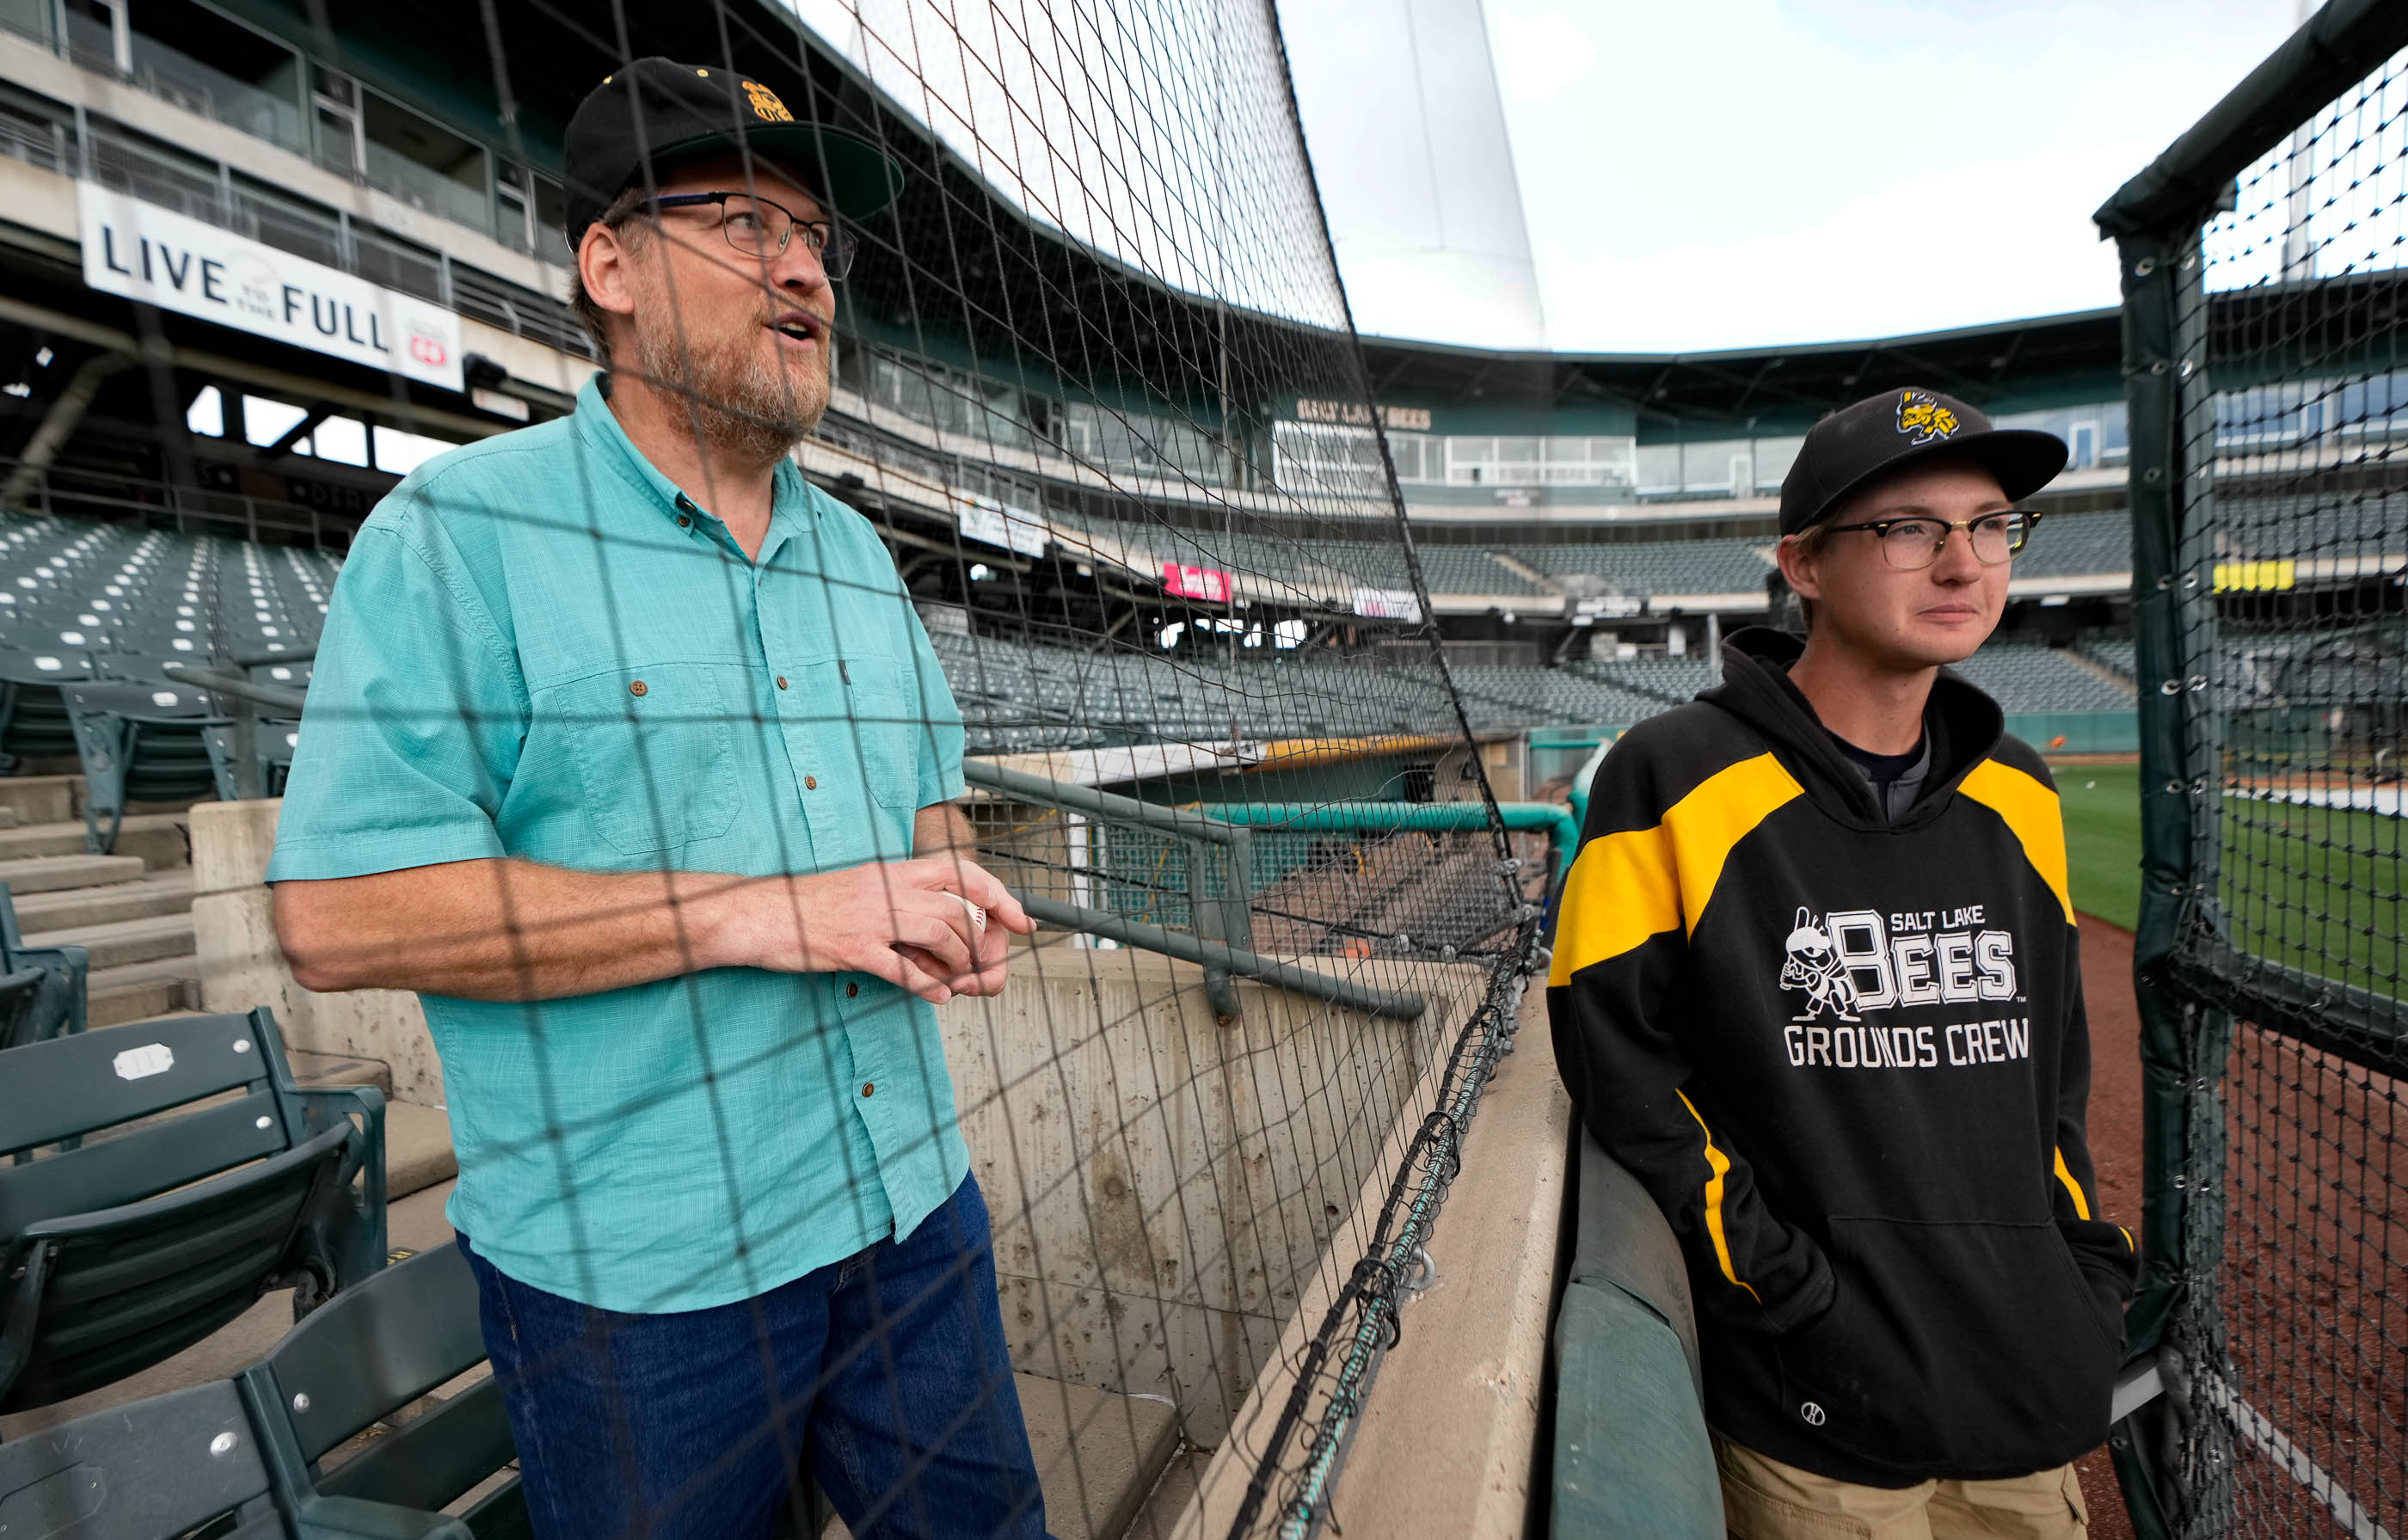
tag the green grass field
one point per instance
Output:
(2318, 888)
(2102, 838)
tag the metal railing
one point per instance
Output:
(1220, 838)
(69, 491)
(1223, 942)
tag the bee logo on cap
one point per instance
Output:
(1923, 419)
(766, 104)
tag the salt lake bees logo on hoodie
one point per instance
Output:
(1923, 419)
(1905, 989)
(1813, 967)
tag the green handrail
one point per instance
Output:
(1392, 818)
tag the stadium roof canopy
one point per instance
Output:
(2009, 366)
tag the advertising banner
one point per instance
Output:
(163, 258)
(1606, 606)
(1196, 582)
(995, 523)
(1387, 604)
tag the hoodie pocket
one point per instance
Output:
(1978, 1348)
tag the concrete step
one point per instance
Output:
(417, 1148)
(314, 1070)
(167, 892)
(136, 992)
(41, 799)
(1099, 1455)
(53, 874)
(1159, 1519)
(158, 838)
(116, 943)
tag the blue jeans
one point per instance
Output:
(884, 1375)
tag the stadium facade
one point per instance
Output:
(1584, 516)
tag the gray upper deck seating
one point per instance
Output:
(2078, 544)
(200, 1178)
(2023, 677)
(1721, 566)
(2120, 653)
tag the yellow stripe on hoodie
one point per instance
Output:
(1628, 886)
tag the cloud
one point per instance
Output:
(1730, 175)
(1952, 247)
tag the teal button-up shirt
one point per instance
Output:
(539, 648)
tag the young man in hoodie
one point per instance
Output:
(1816, 983)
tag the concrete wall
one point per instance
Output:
(1164, 1187)
(234, 935)
(1448, 1439)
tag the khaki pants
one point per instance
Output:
(1766, 1500)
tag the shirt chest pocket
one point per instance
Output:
(883, 708)
(655, 752)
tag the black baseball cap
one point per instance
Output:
(1856, 446)
(659, 109)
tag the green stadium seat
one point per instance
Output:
(142, 743)
(1631, 1452)
(174, 1465)
(365, 1354)
(200, 1178)
(33, 722)
(41, 987)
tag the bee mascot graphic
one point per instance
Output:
(1813, 966)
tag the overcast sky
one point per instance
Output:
(1736, 173)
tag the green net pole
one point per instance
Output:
(2161, 283)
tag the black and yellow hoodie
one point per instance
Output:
(1848, 1056)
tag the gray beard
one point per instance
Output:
(743, 405)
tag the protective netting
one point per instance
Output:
(2278, 798)
(1213, 743)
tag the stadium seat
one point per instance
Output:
(2023, 677)
(174, 1465)
(368, 1353)
(2120, 653)
(33, 724)
(41, 987)
(142, 743)
(201, 1177)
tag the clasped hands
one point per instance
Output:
(935, 925)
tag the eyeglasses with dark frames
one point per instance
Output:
(1911, 544)
(761, 227)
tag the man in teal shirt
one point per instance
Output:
(626, 752)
